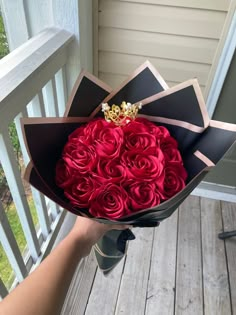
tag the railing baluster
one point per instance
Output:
(50, 98)
(13, 177)
(3, 290)
(61, 87)
(10, 246)
(36, 107)
(38, 198)
(54, 208)
(20, 136)
(51, 108)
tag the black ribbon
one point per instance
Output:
(146, 224)
(124, 236)
(127, 235)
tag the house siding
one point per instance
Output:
(179, 37)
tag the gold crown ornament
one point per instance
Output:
(121, 115)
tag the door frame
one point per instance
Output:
(206, 189)
(222, 67)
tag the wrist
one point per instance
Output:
(81, 243)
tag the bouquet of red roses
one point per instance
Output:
(137, 172)
(115, 170)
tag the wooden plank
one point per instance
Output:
(78, 293)
(189, 298)
(135, 275)
(161, 285)
(215, 276)
(10, 246)
(171, 70)
(13, 177)
(158, 45)
(229, 220)
(106, 287)
(161, 19)
(219, 5)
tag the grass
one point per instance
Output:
(5, 267)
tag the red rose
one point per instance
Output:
(109, 202)
(79, 156)
(87, 133)
(158, 131)
(169, 147)
(175, 177)
(108, 141)
(144, 166)
(142, 195)
(94, 127)
(64, 174)
(80, 190)
(136, 137)
(111, 170)
(79, 135)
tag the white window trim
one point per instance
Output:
(222, 68)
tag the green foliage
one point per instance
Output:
(4, 190)
(5, 268)
(4, 48)
(14, 139)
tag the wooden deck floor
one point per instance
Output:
(180, 267)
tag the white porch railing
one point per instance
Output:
(32, 83)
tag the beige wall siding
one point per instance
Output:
(179, 37)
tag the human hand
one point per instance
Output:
(89, 231)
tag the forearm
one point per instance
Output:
(44, 291)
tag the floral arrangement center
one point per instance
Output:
(120, 165)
